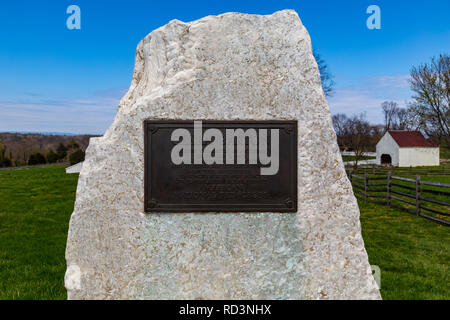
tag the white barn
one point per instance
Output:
(76, 168)
(407, 149)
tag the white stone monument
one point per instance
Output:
(227, 67)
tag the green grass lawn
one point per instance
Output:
(413, 253)
(35, 206)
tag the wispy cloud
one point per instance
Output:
(38, 113)
(93, 114)
(368, 94)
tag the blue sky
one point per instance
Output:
(55, 79)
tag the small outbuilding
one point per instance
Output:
(76, 168)
(407, 149)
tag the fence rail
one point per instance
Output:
(411, 195)
(443, 170)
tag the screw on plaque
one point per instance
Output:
(153, 129)
(152, 203)
(289, 203)
(288, 129)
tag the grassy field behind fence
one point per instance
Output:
(434, 200)
(441, 170)
(413, 253)
(35, 206)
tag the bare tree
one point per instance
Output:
(376, 132)
(401, 119)
(396, 118)
(358, 135)
(339, 120)
(431, 84)
(325, 75)
(390, 109)
(340, 124)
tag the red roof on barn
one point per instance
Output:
(411, 139)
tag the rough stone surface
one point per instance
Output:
(232, 66)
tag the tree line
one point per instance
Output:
(70, 152)
(427, 112)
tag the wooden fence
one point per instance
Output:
(443, 170)
(421, 197)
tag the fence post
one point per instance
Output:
(418, 194)
(351, 178)
(366, 180)
(389, 186)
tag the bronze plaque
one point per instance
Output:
(220, 166)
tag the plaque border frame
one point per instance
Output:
(152, 124)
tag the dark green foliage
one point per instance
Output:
(76, 156)
(36, 158)
(5, 162)
(52, 157)
(73, 145)
(61, 151)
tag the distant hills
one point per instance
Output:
(49, 133)
(19, 146)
